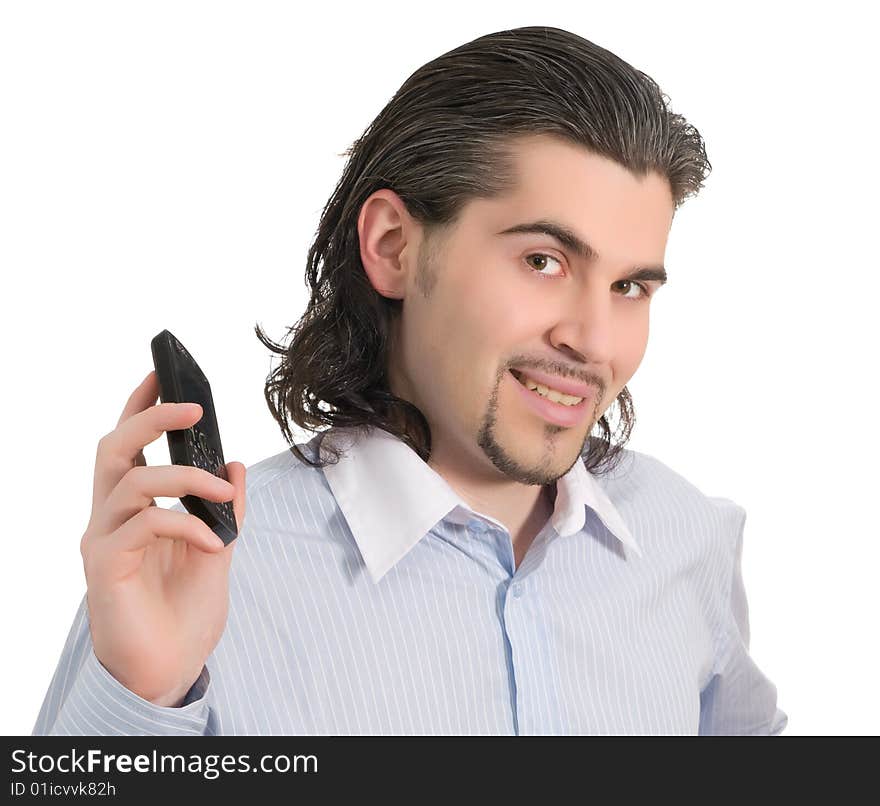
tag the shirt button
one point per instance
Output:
(516, 590)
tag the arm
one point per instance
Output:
(739, 699)
(85, 699)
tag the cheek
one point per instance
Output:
(482, 310)
(506, 306)
(634, 344)
(631, 348)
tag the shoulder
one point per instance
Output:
(665, 504)
(284, 481)
(282, 492)
(279, 469)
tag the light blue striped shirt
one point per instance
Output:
(369, 598)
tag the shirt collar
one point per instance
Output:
(391, 498)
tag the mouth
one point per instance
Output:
(557, 413)
(521, 378)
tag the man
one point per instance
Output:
(464, 567)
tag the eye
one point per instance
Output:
(547, 257)
(645, 294)
(645, 291)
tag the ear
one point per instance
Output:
(386, 232)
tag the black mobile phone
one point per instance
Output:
(181, 380)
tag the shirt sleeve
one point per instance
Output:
(739, 699)
(84, 699)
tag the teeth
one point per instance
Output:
(551, 394)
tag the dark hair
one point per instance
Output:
(444, 139)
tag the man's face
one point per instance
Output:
(524, 300)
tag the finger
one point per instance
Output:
(142, 485)
(150, 525)
(119, 451)
(237, 474)
(145, 395)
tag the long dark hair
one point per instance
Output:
(444, 139)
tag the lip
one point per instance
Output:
(556, 413)
(559, 384)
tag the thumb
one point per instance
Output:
(236, 474)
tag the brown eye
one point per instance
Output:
(546, 257)
(641, 286)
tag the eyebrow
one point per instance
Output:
(569, 239)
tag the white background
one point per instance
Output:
(164, 165)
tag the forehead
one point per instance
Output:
(594, 195)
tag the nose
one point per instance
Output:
(590, 326)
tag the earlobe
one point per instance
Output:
(376, 272)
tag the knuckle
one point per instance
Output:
(113, 463)
(137, 476)
(88, 560)
(150, 517)
(107, 456)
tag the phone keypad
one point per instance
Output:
(204, 457)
